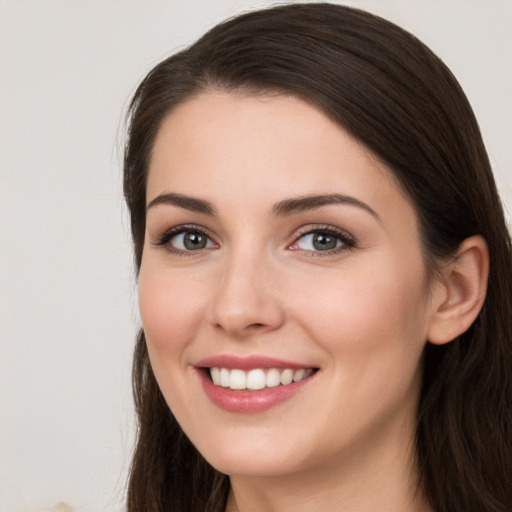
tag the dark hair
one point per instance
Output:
(395, 96)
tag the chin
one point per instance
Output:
(251, 465)
(236, 455)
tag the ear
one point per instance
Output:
(459, 291)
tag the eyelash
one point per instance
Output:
(165, 239)
(347, 241)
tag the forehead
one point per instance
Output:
(263, 148)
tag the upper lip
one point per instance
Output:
(248, 362)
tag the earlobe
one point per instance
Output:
(460, 292)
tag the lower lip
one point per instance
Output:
(245, 401)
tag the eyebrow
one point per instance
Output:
(183, 201)
(280, 209)
(305, 203)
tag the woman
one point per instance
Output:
(324, 275)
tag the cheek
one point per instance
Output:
(357, 313)
(169, 310)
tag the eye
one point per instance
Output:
(190, 241)
(185, 239)
(318, 242)
(326, 240)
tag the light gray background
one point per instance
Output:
(68, 307)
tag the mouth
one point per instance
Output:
(257, 378)
(253, 384)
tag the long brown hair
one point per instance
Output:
(395, 96)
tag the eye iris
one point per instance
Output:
(193, 241)
(324, 242)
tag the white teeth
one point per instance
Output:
(224, 377)
(298, 375)
(238, 379)
(215, 374)
(272, 379)
(257, 378)
(286, 377)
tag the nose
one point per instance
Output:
(246, 300)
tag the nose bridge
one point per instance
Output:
(245, 300)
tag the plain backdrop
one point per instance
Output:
(68, 306)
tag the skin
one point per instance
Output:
(361, 314)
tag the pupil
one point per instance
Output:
(194, 241)
(324, 242)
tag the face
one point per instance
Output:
(282, 289)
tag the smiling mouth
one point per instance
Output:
(257, 378)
